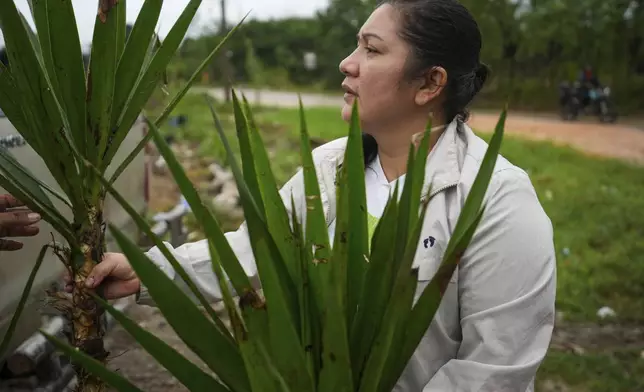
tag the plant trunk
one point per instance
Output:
(86, 315)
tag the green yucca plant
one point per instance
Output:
(330, 319)
(71, 117)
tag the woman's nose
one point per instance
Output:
(348, 66)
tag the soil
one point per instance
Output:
(131, 361)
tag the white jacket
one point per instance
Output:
(495, 321)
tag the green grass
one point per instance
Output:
(596, 207)
(594, 372)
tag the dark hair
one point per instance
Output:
(442, 33)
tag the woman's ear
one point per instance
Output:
(432, 84)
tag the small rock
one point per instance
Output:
(220, 174)
(160, 166)
(578, 350)
(553, 386)
(605, 312)
(566, 252)
(193, 236)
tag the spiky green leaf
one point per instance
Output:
(393, 325)
(26, 292)
(150, 79)
(46, 128)
(378, 285)
(101, 79)
(93, 366)
(147, 230)
(130, 65)
(8, 102)
(173, 103)
(22, 185)
(278, 286)
(275, 213)
(336, 373)
(315, 246)
(203, 337)
(25, 177)
(262, 373)
(251, 177)
(204, 216)
(358, 248)
(186, 372)
(60, 41)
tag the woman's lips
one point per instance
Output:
(348, 97)
(349, 94)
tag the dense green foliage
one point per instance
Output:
(530, 45)
(595, 206)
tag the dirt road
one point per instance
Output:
(608, 140)
(623, 140)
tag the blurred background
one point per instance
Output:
(531, 45)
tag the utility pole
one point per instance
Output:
(224, 56)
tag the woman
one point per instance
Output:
(417, 58)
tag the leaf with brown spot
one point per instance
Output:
(104, 8)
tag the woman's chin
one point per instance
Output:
(346, 112)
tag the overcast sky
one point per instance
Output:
(210, 10)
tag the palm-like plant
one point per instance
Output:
(72, 118)
(338, 318)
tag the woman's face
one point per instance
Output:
(375, 73)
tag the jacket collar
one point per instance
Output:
(443, 167)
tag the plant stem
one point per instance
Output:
(86, 318)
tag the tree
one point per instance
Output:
(254, 70)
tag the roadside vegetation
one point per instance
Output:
(595, 206)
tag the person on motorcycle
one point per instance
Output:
(588, 76)
(588, 81)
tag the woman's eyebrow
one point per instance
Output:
(365, 36)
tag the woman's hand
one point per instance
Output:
(118, 278)
(15, 222)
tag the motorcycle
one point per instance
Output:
(574, 100)
(601, 104)
(569, 101)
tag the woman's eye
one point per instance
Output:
(367, 48)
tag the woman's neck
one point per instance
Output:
(393, 150)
